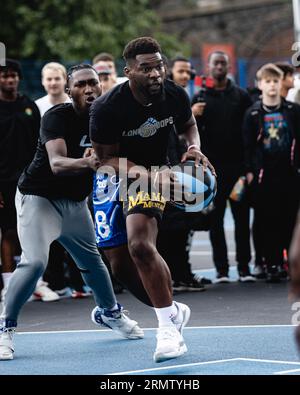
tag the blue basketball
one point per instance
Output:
(198, 187)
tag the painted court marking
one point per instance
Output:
(174, 366)
(214, 362)
(287, 371)
(151, 329)
(295, 366)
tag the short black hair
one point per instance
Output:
(12, 64)
(218, 52)
(78, 67)
(139, 46)
(285, 67)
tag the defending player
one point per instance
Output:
(51, 205)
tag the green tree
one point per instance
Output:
(70, 30)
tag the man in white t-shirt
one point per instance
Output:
(54, 78)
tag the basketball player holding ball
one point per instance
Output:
(133, 121)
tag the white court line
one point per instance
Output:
(276, 362)
(151, 329)
(70, 331)
(173, 367)
(269, 361)
(287, 371)
(241, 326)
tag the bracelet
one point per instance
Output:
(193, 146)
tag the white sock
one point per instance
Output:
(40, 282)
(6, 278)
(165, 315)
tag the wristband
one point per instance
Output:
(194, 146)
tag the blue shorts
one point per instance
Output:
(110, 226)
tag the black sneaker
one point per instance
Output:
(245, 276)
(192, 285)
(202, 280)
(259, 272)
(273, 275)
(222, 277)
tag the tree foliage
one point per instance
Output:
(71, 29)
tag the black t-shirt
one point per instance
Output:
(277, 140)
(19, 132)
(142, 131)
(60, 121)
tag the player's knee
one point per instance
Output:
(141, 250)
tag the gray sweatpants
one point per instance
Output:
(41, 221)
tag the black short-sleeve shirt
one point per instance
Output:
(60, 121)
(142, 131)
(19, 132)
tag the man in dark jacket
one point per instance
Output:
(219, 112)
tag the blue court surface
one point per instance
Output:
(236, 350)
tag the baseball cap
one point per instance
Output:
(102, 69)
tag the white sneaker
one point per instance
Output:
(44, 293)
(182, 317)
(170, 344)
(118, 321)
(6, 344)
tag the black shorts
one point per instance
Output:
(150, 204)
(8, 215)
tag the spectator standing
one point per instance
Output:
(19, 130)
(287, 82)
(219, 112)
(272, 137)
(54, 79)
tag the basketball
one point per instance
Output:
(199, 187)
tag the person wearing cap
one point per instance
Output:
(19, 131)
(105, 76)
(107, 59)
